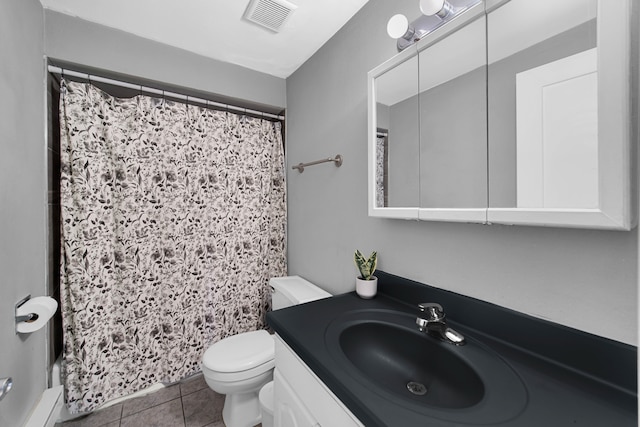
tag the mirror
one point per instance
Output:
(543, 109)
(427, 126)
(394, 163)
(397, 160)
(546, 115)
(453, 125)
(519, 112)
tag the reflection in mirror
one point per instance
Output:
(453, 120)
(543, 105)
(382, 166)
(397, 161)
(520, 115)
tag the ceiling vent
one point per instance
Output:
(271, 14)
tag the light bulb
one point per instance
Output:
(398, 26)
(441, 8)
(431, 7)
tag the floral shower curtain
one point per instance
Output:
(173, 221)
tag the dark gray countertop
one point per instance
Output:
(571, 378)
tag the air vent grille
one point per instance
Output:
(271, 14)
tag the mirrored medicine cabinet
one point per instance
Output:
(514, 112)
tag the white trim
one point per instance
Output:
(478, 215)
(614, 105)
(574, 218)
(397, 213)
(46, 411)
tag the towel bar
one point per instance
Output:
(337, 160)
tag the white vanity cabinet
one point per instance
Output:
(301, 399)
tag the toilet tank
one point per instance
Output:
(294, 290)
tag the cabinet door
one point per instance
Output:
(306, 391)
(289, 410)
(394, 174)
(453, 124)
(559, 97)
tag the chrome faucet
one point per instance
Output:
(434, 324)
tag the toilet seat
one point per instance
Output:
(230, 377)
(239, 357)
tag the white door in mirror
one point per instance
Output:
(557, 134)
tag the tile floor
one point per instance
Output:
(190, 403)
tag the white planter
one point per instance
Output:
(367, 288)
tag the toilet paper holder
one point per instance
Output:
(5, 386)
(26, 317)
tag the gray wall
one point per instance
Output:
(23, 194)
(562, 275)
(448, 146)
(453, 143)
(404, 156)
(82, 42)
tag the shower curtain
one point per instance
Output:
(173, 220)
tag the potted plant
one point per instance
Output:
(366, 283)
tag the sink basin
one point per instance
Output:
(386, 354)
(410, 365)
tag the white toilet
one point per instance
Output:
(238, 366)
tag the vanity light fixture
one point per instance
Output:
(435, 13)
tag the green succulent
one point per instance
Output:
(367, 266)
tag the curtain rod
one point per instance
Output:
(91, 77)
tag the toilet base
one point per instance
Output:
(241, 401)
(241, 410)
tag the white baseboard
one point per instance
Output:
(46, 411)
(50, 407)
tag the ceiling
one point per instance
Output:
(216, 28)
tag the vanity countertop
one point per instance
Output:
(571, 378)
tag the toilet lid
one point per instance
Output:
(240, 352)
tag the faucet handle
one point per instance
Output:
(434, 311)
